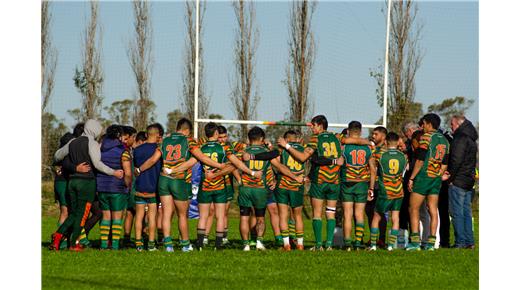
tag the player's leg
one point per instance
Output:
(392, 238)
(181, 206)
(274, 218)
(129, 219)
(152, 223)
(330, 213)
(167, 211)
(260, 227)
(283, 211)
(160, 234)
(209, 222)
(117, 205)
(374, 230)
(64, 229)
(204, 209)
(425, 223)
(298, 220)
(359, 215)
(348, 212)
(433, 203)
(220, 212)
(139, 217)
(416, 201)
(104, 226)
(226, 226)
(317, 224)
(245, 212)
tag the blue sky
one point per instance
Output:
(350, 38)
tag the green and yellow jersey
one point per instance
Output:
(437, 148)
(175, 150)
(391, 164)
(217, 152)
(325, 144)
(295, 166)
(255, 165)
(356, 168)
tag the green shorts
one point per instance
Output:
(216, 196)
(145, 200)
(292, 198)
(327, 191)
(426, 185)
(354, 192)
(60, 192)
(230, 192)
(113, 201)
(180, 189)
(253, 197)
(383, 205)
(82, 189)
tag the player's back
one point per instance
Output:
(325, 144)
(175, 150)
(392, 164)
(255, 165)
(147, 180)
(217, 152)
(293, 165)
(437, 148)
(356, 167)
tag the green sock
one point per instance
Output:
(117, 229)
(348, 242)
(431, 240)
(104, 230)
(139, 243)
(168, 242)
(316, 226)
(279, 240)
(245, 242)
(392, 239)
(292, 229)
(331, 224)
(415, 239)
(184, 243)
(374, 235)
(359, 231)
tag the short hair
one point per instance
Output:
(344, 131)
(114, 132)
(78, 129)
(381, 129)
(157, 127)
(210, 129)
(320, 120)
(417, 135)
(129, 130)
(66, 138)
(222, 129)
(184, 123)
(141, 136)
(255, 134)
(290, 133)
(410, 125)
(432, 119)
(392, 137)
(355, 126)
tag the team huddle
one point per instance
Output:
(144, 178)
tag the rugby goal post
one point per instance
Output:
(198, 120)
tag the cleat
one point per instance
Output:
(252, 243)
(286, 248)
(205, 242)
(372, 248)
(225, 241)
(76, 248)
(299, 247)
(260, 246)
(246, 248)
(152, 249)
(187, 249)
(169, 249)
(329, 248)
(56, 240)
(316, 249)
(139, 248)
(390, 248)
(412, 247)
(348, 248)
(429, 248)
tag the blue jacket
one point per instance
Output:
(111, 152)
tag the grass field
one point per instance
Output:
(234, 269)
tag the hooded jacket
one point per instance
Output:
(463, 156)
(111, 152)
(85, 149)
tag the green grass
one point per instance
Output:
(234, 269)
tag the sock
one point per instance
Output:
(316, 226)
(415, 239)
(201, 233)
(299, 238)
(331, 224)
(279, 240)
(160, 235)
(285, 237)
(348, 242)
(225, 233)
(184, 243)
(245, 242)
(259, 239)
(168, 242)
(117, 229)
(392, 239)
(83, 237)
(151, 244)
(292, 229)
(431, 240)
(218, 239)
(253, 235)
(360, 230)
(104, 230)
(374, 235)
(139, 243)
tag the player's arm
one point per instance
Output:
(261, 156)
(211, 174)
(300, 156)
(127, 169)
(68, 166)
(419, 162)
(205, 159)
(150, 162)
(95, 155)
(373, 176)
(240, 165)
(237, 176)
(354, 140)
(324, 161)
(61, 153)
(286, 171)
(185, 165)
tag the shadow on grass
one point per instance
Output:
(78, 282)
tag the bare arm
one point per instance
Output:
(240, 165)
(205, 159)
(237, 176)
(225, 171)
(300, 156)
(185, 165)
(286, 171)
(127, 169)
(373, 172)
(417, 167)
(355, 141)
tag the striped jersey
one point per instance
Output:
(391, 164)
(217, 152)
(175, 150)
(255, 165)
(437, 149)
(295, 166)
(356, 168)
(325, 144)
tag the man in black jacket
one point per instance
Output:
(461, 178)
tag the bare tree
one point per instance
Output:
(49, 55)
(302, 52)
(141, 60)
(244, 94)
(405, 57)
(89, 78)
(188, 87)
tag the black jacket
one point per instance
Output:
(463, 156)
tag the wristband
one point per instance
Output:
(138, 170)
(253, 173)
(287, 146)
(251, 156)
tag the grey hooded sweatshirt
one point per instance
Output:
(85, 149)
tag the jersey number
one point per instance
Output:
(440, 150)
(358, 157)
(213, 156)
(293, 164)
(256, 164)
(174, 152)
(394, 166)
(330, 149)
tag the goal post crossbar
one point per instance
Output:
(275, 123)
